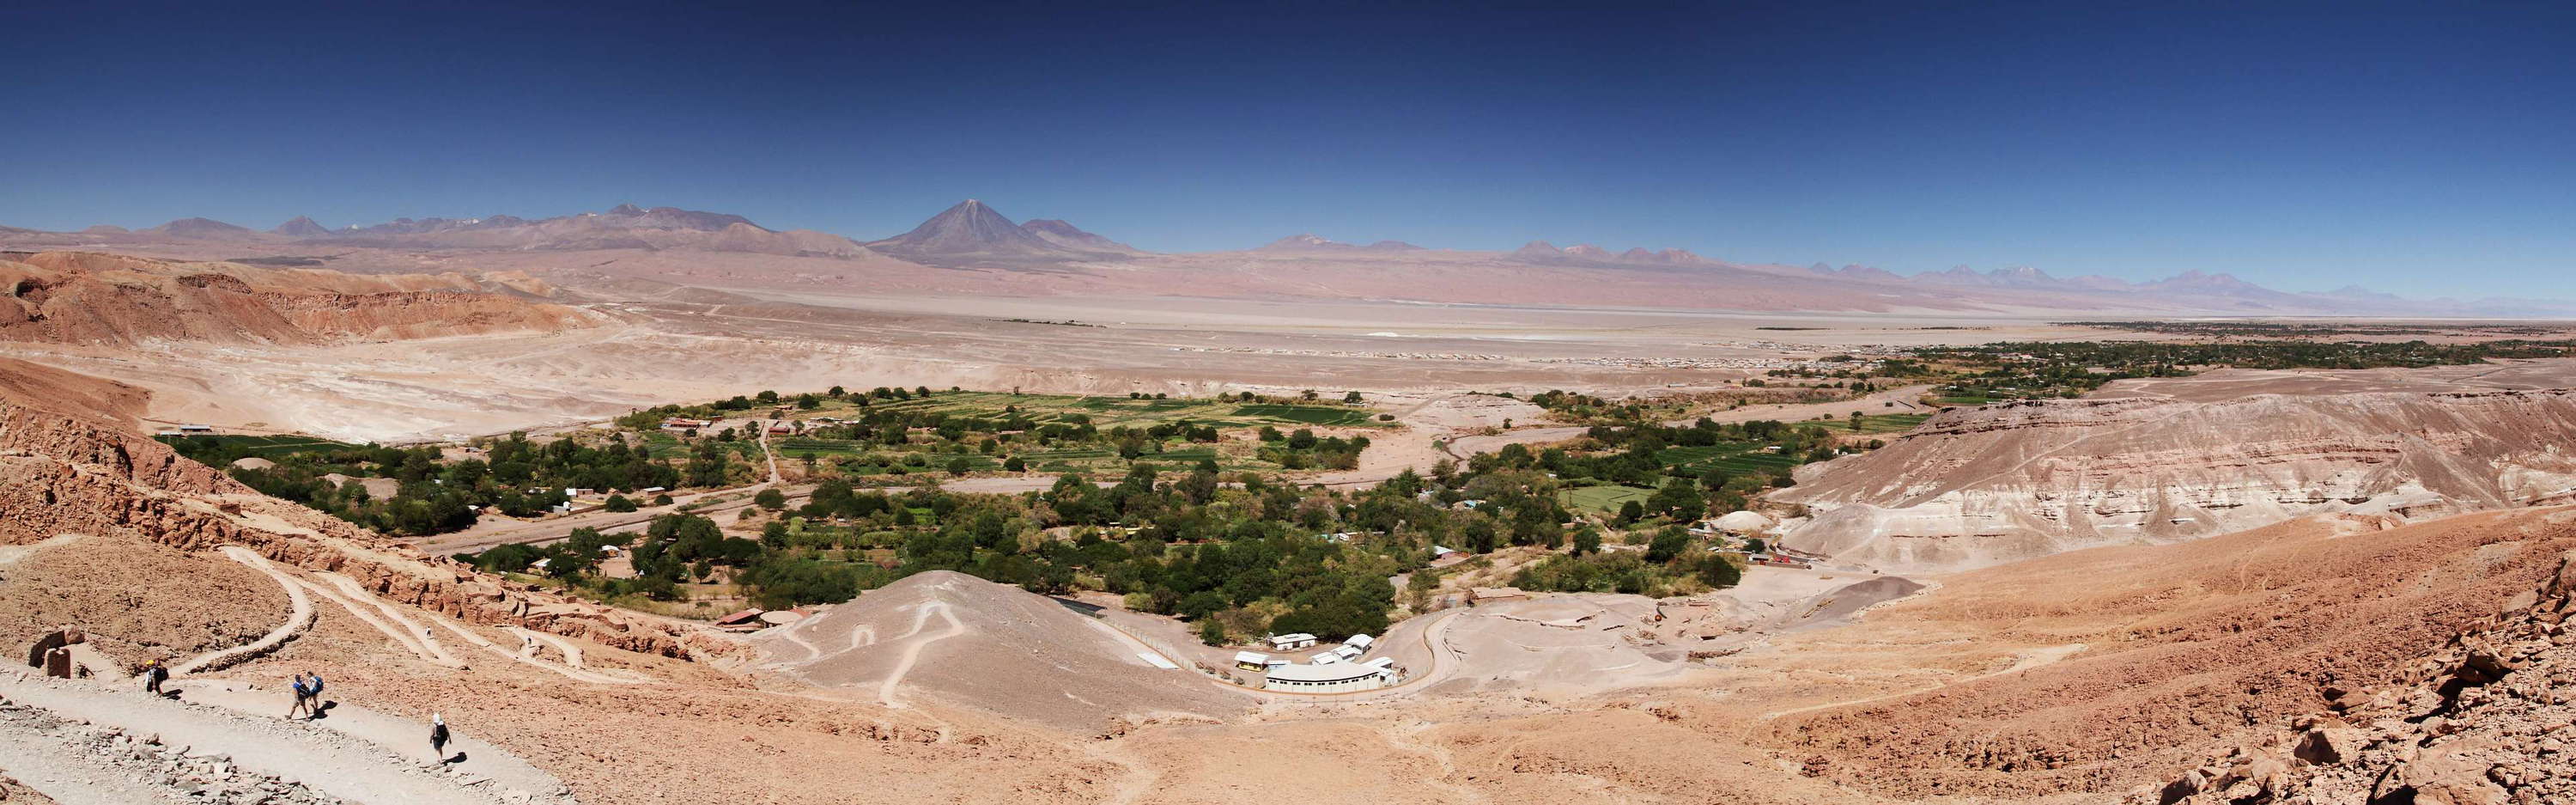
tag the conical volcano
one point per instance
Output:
(302, 227)
(974, 233)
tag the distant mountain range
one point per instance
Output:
(972, 235)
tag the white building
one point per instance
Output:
(1251, 660)
(1328, 678)
(1361, 641)
(1348, 652)
(1326, 658)
(1285, 642)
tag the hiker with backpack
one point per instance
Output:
(303, 697)
(154, 674)
(313, 696)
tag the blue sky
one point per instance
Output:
(2421, 149)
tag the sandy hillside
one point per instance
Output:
(969, 642)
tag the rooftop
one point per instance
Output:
(1336, 672)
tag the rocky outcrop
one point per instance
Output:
(1983, 486)
(2490, 720)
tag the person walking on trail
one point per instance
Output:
(303, 697)
(313, 703)
(154, 673)
(438, 736)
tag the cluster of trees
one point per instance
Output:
(432, 496)
(1302, 449)
(2068, 369)
(1239, 555)
(1671, 564)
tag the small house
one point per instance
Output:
(1349, 652)
(1251, 660)
(1326, 658)
(1286, 642)
(1360, 640)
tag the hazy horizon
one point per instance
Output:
(2417, 153)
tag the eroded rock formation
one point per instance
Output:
(1982, 486)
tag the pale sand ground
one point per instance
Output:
(446, 388)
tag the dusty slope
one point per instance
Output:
(59, 390)
(965, 641)
(85, 298)
(2486, 720)
(1980, 486)
(2126, 664)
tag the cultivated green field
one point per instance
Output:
(1734, 459)
(1605, 499)
(1884, 423)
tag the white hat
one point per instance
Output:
(440, 720)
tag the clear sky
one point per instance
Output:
(2427, 149)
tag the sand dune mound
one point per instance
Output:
(1977, 487)
(966, 641)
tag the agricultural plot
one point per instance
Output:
(1305, 414)
(1734, 459)
(1601, 498)
(1881, 423)
(798, 446)
(659, 444)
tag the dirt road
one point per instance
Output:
(354, 769)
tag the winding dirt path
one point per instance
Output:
(408, 641)
(420, 636)
(912, 652)
(299, 618)
(571, 652)
(355, 770)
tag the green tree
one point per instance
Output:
(1668, 543)
(619, 503)
(1679, 499)
(770, 499)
